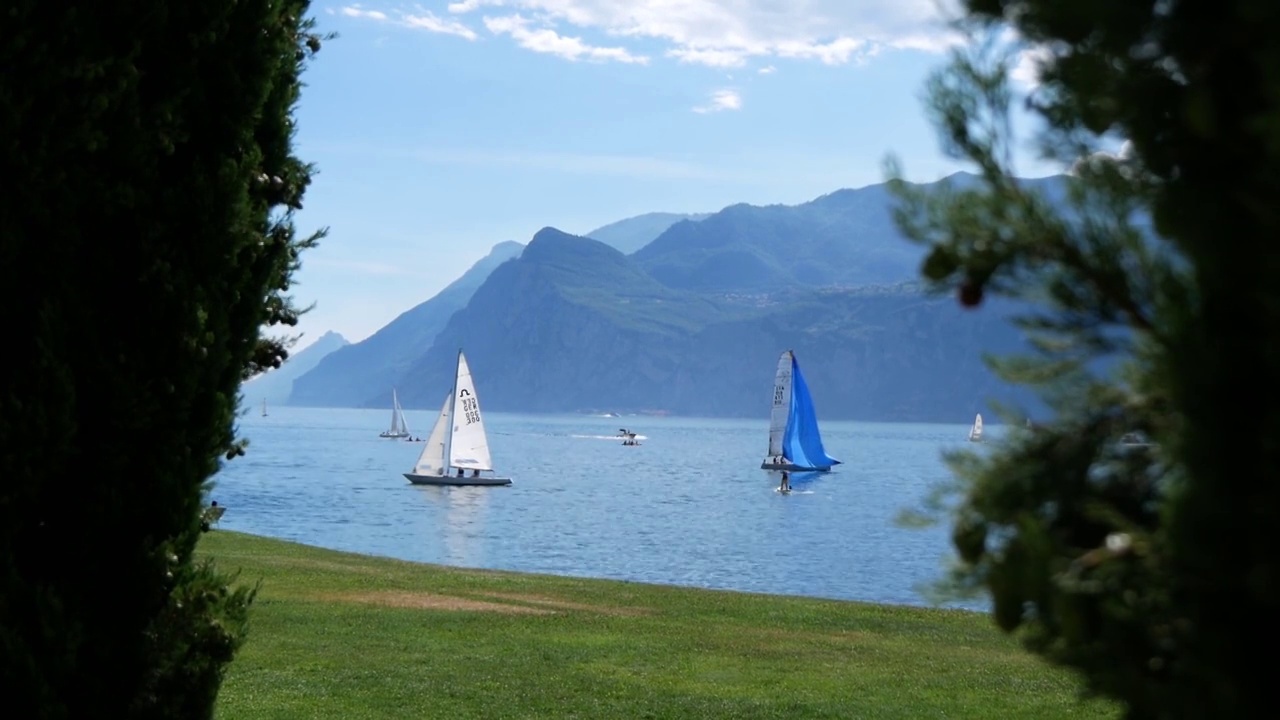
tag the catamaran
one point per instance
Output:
(794, 440)
(975, 432)
(399, 428)
(457, 449)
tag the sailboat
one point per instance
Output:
(399, 428)
(457, 442)
(975, 432)
(264, 407)
(794, 440)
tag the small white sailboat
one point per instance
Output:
(794, 440)
(399, 427)
(457, 450)
(975, 432)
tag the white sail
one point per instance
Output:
(395, 413)
(781, 404)
(975, 433)
(469, 446)
(404, 423)
(431, 461)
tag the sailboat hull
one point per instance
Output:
(385, 434)
(766, 465)
(456, 481)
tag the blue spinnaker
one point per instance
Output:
(802, 443)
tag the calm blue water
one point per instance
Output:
(689, 506)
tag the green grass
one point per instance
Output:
(337, 635)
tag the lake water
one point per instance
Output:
(689, 506)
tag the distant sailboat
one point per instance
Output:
(399, 427)
(264, 407)
(975, 432)
(457, 442)
(794, 440)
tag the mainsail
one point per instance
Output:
(975, 432)
(396, 413)
(802, 442)
(781, 404)
(431, 461)
(399, 426)
(469, 446)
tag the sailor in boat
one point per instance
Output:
(475, 473)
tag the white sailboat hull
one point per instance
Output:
(456, 481)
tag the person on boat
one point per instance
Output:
(475, 473)
(459, 472)
(786, 482)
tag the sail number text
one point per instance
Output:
(777, 395)
(470, 410)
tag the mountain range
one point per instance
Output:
(633, 233)
(274, 387)
(692, 322)
(354, 375)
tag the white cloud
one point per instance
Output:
(635, 166)
(1027, 59)
(728, 33)
(364, 267)
(419, 20)
(1025, 72)
(357, 11)
(547, 40)
(1122, 155)
(767, 70)
(721, 100)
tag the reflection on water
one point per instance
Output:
(462, 513)
(688, 506)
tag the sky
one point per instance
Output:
(439, 129)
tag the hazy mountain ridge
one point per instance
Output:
(594, 332)
(693, 322)
(633, 233)
(352, 375)
(275, 386)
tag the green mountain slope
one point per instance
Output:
(573, 325)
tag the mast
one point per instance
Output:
(453, 405)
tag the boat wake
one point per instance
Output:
(609, 437)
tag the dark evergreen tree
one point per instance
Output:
(1151, 567)
(146, 241)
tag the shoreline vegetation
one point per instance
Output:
(336, 634)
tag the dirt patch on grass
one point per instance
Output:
(568, 605)
(430, 601)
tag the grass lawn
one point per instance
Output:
(337, 635)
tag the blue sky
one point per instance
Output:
(439, 129)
